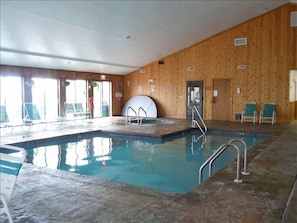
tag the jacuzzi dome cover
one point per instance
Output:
(143, 101)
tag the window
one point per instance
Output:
(76, 91)
(102, 99)
(45, 97)
(11, 97)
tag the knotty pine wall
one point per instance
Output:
(27, 73)
(269, 56)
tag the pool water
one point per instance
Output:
(170, 165)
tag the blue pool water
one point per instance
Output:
(170, 165)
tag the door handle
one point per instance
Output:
(213, 100)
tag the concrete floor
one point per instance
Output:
(268, 194)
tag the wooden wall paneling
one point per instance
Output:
(265, 60)
(117, 86)
(269, 55)
(265, 69)
(179, 85)
(168, 105)
(154, 73)
(208, 93)
(178, 73)
(238, 76)
(292, 40)
(168, 97)
(160, 89)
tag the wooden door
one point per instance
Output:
(221, 102)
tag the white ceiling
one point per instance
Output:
(114, 37)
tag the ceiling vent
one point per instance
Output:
(293, 19)
(240, 41)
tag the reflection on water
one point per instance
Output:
(170, 165)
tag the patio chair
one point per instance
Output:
(3, 115)
(5, 122)
(268, 114)
(70, 110)
(32, 116)
(11, 160)
(249, 113)
(73, 114)
(79, 109)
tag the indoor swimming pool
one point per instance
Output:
(170, 165)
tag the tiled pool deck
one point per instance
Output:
(268, 194)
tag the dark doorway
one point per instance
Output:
(194, 97)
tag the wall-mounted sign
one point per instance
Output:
(118, 94)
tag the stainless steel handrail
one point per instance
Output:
(127, 116)
(193, 125)
(244, 172)
(216, 154)
(194, 109)
(139, 119)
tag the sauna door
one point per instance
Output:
(194, 97)
(221, 99)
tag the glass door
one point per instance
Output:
(45, 97)
(102, 99)
(194, 97)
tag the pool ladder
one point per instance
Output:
(219, 151)
(136, 116)
(195, 122)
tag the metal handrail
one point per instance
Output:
(193, 125)
(194, 139)
(194, 109)
(216, 154)
(140, 120)
(129, 121)
(244, 172)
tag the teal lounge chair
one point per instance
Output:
(33, 117)
(3, 115)
(249, 114)
(268, 114)
(11, 161)
(79, 109)
(70, 110)
(76, 110)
